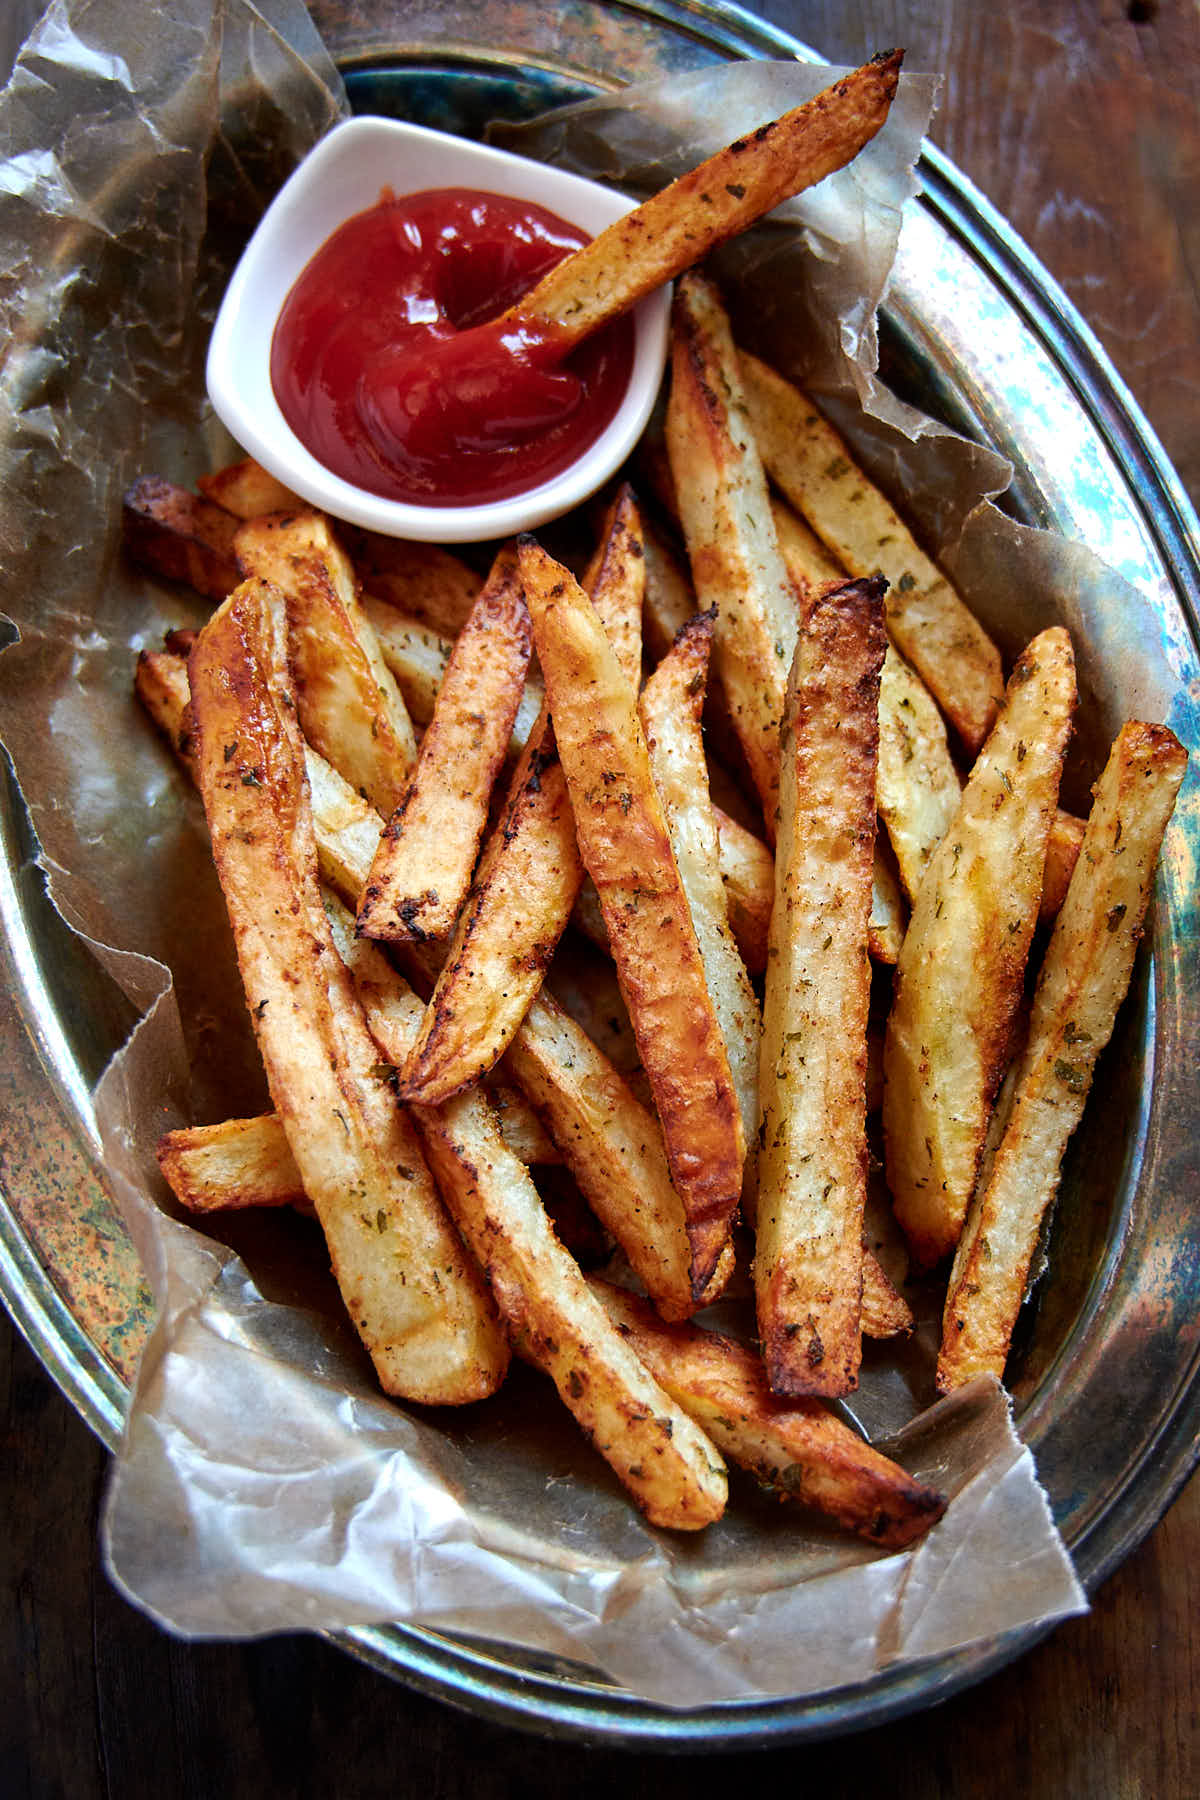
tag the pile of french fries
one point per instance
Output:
(453, 816)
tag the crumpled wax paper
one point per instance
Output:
(264, 1483)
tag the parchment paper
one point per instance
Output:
(264, 1483)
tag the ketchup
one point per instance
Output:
(390, 364)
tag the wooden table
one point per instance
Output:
(1082, 123)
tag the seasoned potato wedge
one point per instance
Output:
(963, 962)
(170, 532)
(426, 856)
(812, 1144)
(624, 843)
(927, 620)
(246, 490)
(1082, 982)
(415, 1296)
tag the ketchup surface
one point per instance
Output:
(387, 368)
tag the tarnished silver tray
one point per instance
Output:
(1106, 1378)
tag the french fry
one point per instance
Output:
(417, 657)
(238, 1163)
(172, 533)
(1083, 980)
(418, 1302)
(918, 790)
(963, 960)
(671, 1469)
(798, 1448)
(926, 619)
(670, 707)
(808, 562)
(426, 856)
(611, 1144)
(246, 490)
(161, 684)
(736, 563)
(528, 878)
(812, 1157)
(350, 708)
(424, 581)
(624, 844)
(679, 226)
(1062, 853)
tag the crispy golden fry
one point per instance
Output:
(666, 1462)
(422, 580)
(417, 657)
(885, 1312)
(529, 876)
(669, 1467)
(611, 1144)
(671, 705)
(748, 871)
(736, 563)
(350, 708)
(799, 1448)
(247, 491)
(417, 1300)
(963, 961)
(812, 1155)
(624, 843)
(1082, 982)
(426, 856)
(1062, 853)
(728, 192)
(240, 1162)
(808, 562)
(926, 619)
(918, 789)
(170, 532)
(161, 684)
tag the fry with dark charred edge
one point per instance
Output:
(798, 1448)
(1082, 983)
(726, 516)
(812, 1143)
(418, 1302)
(426, 856)
(671, 706)
(350, 707)
(668, 1465)
(926, 619)
(247, 491)
(170, 532)
(679, 226)
(423, 581)
(963, 962)
(529, 875)
(624, 844)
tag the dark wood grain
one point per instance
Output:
(1082, 123)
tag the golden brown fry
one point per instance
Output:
(161, 684)
(926, 619)
(611, 1144)
(426, 856)
(1081, 985)
(421, 580)
(963, 961)
(812, 1155)
(885, 1312)
(736, 563)
(748, 871)
(529, 875)
(670, 707)
(170, 532)
(418, 1302)
(728, 192)
(918, 790)
(247, 491)
(1062, 853)
(350, 708)
(669, 1467)
(808, 562)
(799, 1448)
(240, 1162)
(624, 843)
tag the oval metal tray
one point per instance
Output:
(1107, 1386)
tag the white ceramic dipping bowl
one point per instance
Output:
(344, 175)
